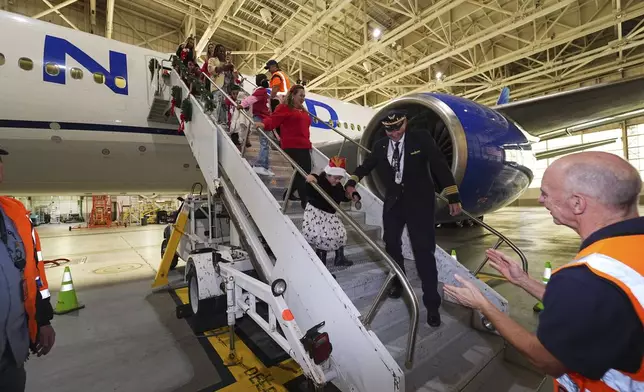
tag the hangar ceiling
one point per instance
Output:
(371, 51)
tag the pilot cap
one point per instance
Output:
(394, 119)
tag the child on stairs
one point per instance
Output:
(321, 227)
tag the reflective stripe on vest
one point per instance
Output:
(632, 282)
(44, 293)
(618, 271)
(613, 379)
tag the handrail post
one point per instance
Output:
(371, 313)
(288, 192)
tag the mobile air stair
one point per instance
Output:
(378, 344)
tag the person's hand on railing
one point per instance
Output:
(259, 124)
(455, 209)
(468, 295)
(509, 268)
(311, 179)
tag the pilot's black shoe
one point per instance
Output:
(433, 318)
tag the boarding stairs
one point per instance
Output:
(371, 345)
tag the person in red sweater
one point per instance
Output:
(258, 102)
(294, 122)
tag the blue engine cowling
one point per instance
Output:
(490, 156)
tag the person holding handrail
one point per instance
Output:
(294, 121)
(321, 227)
(590, 335)
(258, 103)
(401, 158)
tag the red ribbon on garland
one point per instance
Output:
(182, 126)
(174, 103)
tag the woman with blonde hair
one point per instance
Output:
(294, 122)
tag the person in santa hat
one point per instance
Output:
(322, 228)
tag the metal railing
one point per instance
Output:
(395, 270)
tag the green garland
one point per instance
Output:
(186, 109)
(176, 93)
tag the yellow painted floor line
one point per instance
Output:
(249, 372)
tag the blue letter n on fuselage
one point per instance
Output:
(56, 50)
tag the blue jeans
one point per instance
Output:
(264, 149)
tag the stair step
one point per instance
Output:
(451, 368)
(500, 375)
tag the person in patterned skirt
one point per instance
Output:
(322, 228)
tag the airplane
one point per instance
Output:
(74, 116)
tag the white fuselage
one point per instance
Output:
(58, 123)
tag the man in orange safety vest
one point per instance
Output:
(25, 308)
(590, 335)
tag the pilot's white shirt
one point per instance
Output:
(390, 154)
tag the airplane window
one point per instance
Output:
(99, 78)
(331, 123)
(26, 64)
(120, 82)
(346, 126)
(1, 59)
(52, 69)
(353, 127)
(359, 128)
(76, 73)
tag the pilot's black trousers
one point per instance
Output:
(418, 215)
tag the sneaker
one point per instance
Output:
(269, 173)
(260, 170)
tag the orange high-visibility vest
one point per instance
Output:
(35, 280)
(285, 85)
(618, 260)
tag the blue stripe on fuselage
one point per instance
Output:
(22, 124)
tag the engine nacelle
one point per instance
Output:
(490, 156)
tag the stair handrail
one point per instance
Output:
(395, 270)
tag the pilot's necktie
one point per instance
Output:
(396, 161)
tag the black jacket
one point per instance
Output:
(419, 151)
(337, 193)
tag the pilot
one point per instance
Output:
(401, 160)
(25, 310)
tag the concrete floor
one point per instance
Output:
(128, 338)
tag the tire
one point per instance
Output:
(175, 259)
(198, 307)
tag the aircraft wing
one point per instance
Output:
(541, 115)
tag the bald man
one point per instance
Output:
(590, 335)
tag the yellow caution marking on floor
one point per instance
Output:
(249, 372)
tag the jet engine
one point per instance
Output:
(489, 155)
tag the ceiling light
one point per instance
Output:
(439, 75)
(376, 32)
